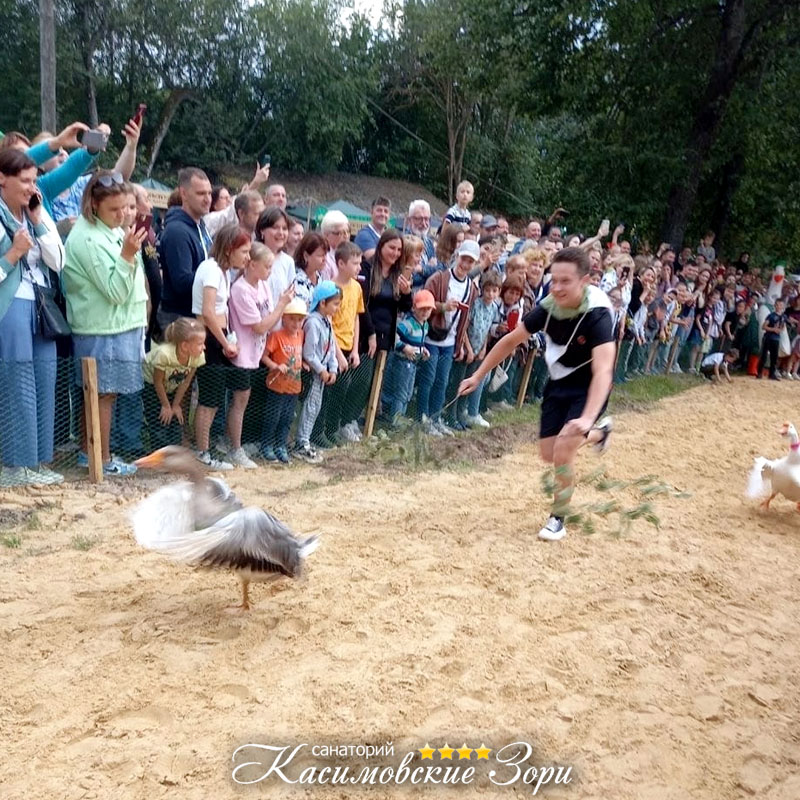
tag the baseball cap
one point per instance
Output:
(424, 299)
(296, 306)
(322, 291)
(469, 248)
(488, 221)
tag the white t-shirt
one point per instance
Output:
(459, 291)
(33, 257)
(282, 275)
(712, 360)
(209, 273)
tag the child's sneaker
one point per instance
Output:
(239, 458)
(553, 530)
(477, 422)
(268, 453)
(430, 427)
(305, 452)
(252, 449)
(346, 434)
(83, 460)
(354, 429)
(212, 463)
(118, 468)
(282, 454)
(444, 428)
(605, 426)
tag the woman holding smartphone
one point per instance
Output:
(30, 253)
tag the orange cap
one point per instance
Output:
(424, 299)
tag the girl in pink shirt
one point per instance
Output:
(252, 315)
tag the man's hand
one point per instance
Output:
(577, 427)
(260, 177)
(468, 385)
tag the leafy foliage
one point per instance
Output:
(620, 109)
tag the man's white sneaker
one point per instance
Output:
(476, 422)
(444, 428)
(605, 426)
(553, 530)
(346, 434)
(239, 458)
(212, 463)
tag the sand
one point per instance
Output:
(660, 665)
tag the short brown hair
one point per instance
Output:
(573, 255)
(95, 192)
(187, 173)
(514, 283)
(13, 161)
(228, 238)
(491, 278)
(382, 201)
(345, 251)
(14, 138)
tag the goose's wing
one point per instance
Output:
(164, 515)
(759, 483)
(249, 538)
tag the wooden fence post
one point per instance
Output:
(526, 377)
(375, 393)
(91, 408)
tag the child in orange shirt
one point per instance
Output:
(283, 356)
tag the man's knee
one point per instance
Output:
(565, 448)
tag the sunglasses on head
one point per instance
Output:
(109, 180)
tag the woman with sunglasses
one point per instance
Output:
(104, 285)
(30, 252)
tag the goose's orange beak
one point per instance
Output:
(153, 461)
(784, 431)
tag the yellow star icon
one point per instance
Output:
(426, 752)
(446, 752)
(483, 751)
(464, 752)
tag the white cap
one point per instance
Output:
(469, 248)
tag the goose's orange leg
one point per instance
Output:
(245, 604)
(765, 504)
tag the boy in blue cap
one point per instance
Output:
(319, 352)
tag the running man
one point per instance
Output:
(577, 323)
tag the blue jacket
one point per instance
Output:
(51, 184)
(184, 243)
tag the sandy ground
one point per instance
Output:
(661, 665)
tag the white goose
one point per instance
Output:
(202, 522)
(781, 476)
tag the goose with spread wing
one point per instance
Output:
(201, 522)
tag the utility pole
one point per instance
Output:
(47, 62)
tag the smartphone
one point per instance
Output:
(143, 222)
(139, 115)
(94, 140)
(265, 162)
(513, 319)
(34, 202)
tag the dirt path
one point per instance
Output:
(661, 665)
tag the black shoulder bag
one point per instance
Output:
(52, 324)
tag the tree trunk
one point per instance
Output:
(721, 215)
(176, 97)
(708, 116)
(47, 65)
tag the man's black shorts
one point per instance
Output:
(560, 404)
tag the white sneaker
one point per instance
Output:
(476, 422)
(676, 370)
(788, 375)
(239, 458)
(48, 476)
(444, 428)
(346, 434)
(553, 530)
(19, 476)
(353, 427)
(430, 427)
(605, 426)
(223, 445)
(212, 463)
(503, 406)
(252, 448)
